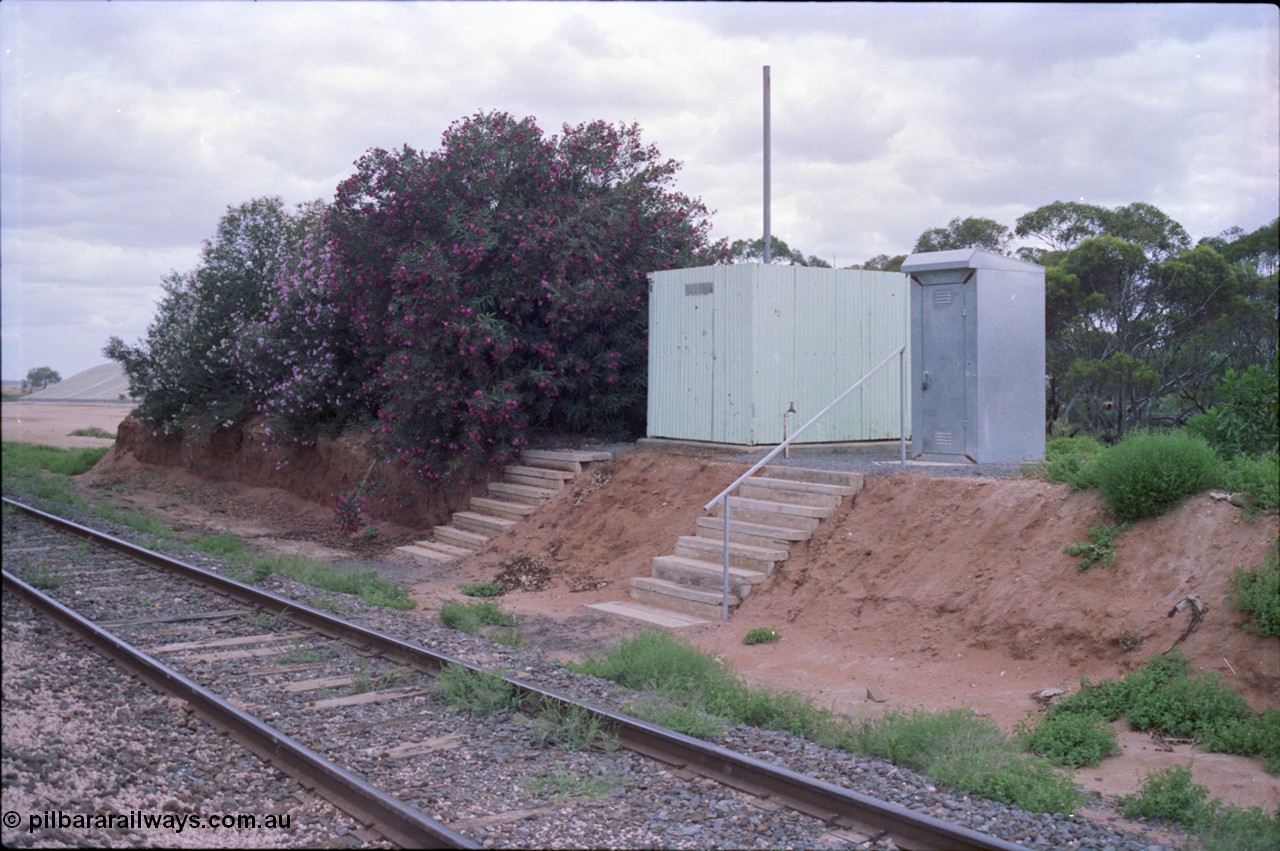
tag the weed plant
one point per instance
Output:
(45, 471)
(1099, 549)
(562, 784)
(1145, 474)
(569, 727)
(472, 617)
(761, 635)
(1168, 697)
(477, 692)
(482, 589)
(93, 431)
(1256, 592)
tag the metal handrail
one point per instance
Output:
(724, 495)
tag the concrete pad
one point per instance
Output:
(648, 614)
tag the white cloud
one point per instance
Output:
(127, 129)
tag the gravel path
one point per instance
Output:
(641, 807)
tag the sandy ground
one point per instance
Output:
(934, 593)
(51, 423)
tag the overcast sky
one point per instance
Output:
(128, 128)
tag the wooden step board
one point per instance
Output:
(540, 475)
(772, 510)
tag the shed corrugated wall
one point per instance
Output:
(731, 347)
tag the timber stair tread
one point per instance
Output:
(775, 508)
(538, 477)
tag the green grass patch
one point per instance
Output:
(569, 727)
(560, 784)
(482, 589)
(761, 635)
(45, 472)
(473, 617)
(1256, 592)
(477, 692)
(93, 431)
(972, 754)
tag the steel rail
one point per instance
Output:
(823, 800)
(399, 822)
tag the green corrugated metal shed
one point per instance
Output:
(732, 347)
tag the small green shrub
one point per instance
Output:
(1069, 460)
(1167, 794)
(471, 617)
(683, 719)
(1230, 828)
(1257, 735)
(93, 431)
(1182, 704)
(761, 635)
(482, 589)
(1099, 549)
(1070, 739)
(1145, 475)
(1256, 592)
(561, 784)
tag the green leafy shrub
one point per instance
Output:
(1146, 474)
(1256, 476)
(1256, 592)
(1099, 549)
(1167, 794)
(1069, 460)
(1247, 421)
(1257, 735)
(1182, 703)
(1070, 739)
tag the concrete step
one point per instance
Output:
(580, 456)
(839, 478)
(680, 598)
(501, 507)
(706, 574)
(460, 537)
(778, 490)
(485, 524)
(531, 495)
(750, 533)
(740, 555)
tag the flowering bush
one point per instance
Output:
(500, 283)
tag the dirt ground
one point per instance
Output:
(930, 592)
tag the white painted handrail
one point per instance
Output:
(724, 495)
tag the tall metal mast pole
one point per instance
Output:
(768, 236)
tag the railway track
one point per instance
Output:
(357, 714)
